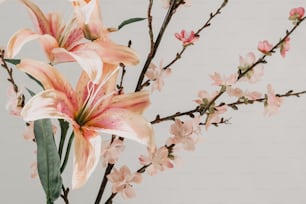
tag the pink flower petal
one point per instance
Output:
(86, 158)
(126, 124)
(20, 38)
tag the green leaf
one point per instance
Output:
(48, 161)
(13, 61)
(129, 21)
(32, 93)
(34, 79)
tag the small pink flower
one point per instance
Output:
(186, 133)
(296, 14)
(215, 116)
(245, 63)
(284, 47)
(34, 171)
(121, 180)
(28, 133)
(15, 101)
(265, 47)
(223, 80)
(111, 151)
(273, 102)
(237, 92)
(205, 96)
(157, 75)
(187, 38)
(158, 160)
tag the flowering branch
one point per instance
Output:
(207, 24)
(8, 70)
(173, 6)
(151, 35)
(272, 50)
(198, 109)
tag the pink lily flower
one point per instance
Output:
(91, 109)
(62, 43)
(88, 15)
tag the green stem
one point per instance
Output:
(67, 152)
(64, 128)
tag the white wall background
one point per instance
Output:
(254, 160)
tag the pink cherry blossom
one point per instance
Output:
(273, 102)
(187, 133)
(284, 47)
(215, 116)
(15, 101)
(224, 80)
(237, 92)
(28, 133)
(245, 63)
(187, 38)
(157, 75)
(121, 180)
(34, 171)
(205, 96)
(111, 151)
(158, 160)
(296, 14)
(265, 47)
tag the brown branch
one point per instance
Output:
(172, 8)
(198, 109)
(150, 18)
(206, 24)
(8, 70)
(262, 60)
(64, 196)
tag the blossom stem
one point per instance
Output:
(8, 70)
(104, 182)
(262, 59)
(206, 24)
(109, 200)
(64, 196)
(159, 119)
(172, 8)
(150, 19)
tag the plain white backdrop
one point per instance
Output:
(253, 160)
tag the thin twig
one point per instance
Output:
(64, 195)
(159, 119)
(197, 33)
(172, 8)
(8, 70)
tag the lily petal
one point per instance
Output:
(38, 17)
(21, 37)
(86, 58)
(48, 104)
(86, 158)
(114, 54)
(135, 102)
(126, 124)
(46, 74)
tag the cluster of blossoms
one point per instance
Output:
(96, 106)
